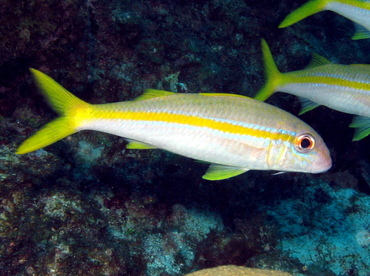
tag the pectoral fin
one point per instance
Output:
(278, 173)
(220, 172)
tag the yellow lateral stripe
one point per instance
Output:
(328, 80)
(189, 120)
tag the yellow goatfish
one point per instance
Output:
(345, 88)
(356, 10)
(234, 133)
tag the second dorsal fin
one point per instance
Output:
(317, 60)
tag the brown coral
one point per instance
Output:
(233, 270)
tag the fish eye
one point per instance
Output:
(304, 143)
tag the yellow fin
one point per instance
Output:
(49, 134)
(153, 93)
(62, 101)
(138, 145)
(220, 172)
(317, 61)
(273, 77)
(307, 9)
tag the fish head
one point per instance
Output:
(305, 151)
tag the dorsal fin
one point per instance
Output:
(153, 93)
(317, 60)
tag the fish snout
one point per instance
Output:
(323, 162)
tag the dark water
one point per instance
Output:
(88, 206)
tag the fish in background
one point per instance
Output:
(356, 10)
(231, 132)
(345, 88)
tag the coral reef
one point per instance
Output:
(88, 206)
(343, 213)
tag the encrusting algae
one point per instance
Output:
(233, 270)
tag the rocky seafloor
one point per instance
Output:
(88, 206)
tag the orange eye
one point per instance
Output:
(304, 143)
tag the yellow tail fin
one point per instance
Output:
(62, 101)
(272, 74)
(307, 9)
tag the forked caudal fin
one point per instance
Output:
(272, 74)
(69, 107)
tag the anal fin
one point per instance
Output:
(138, 145)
